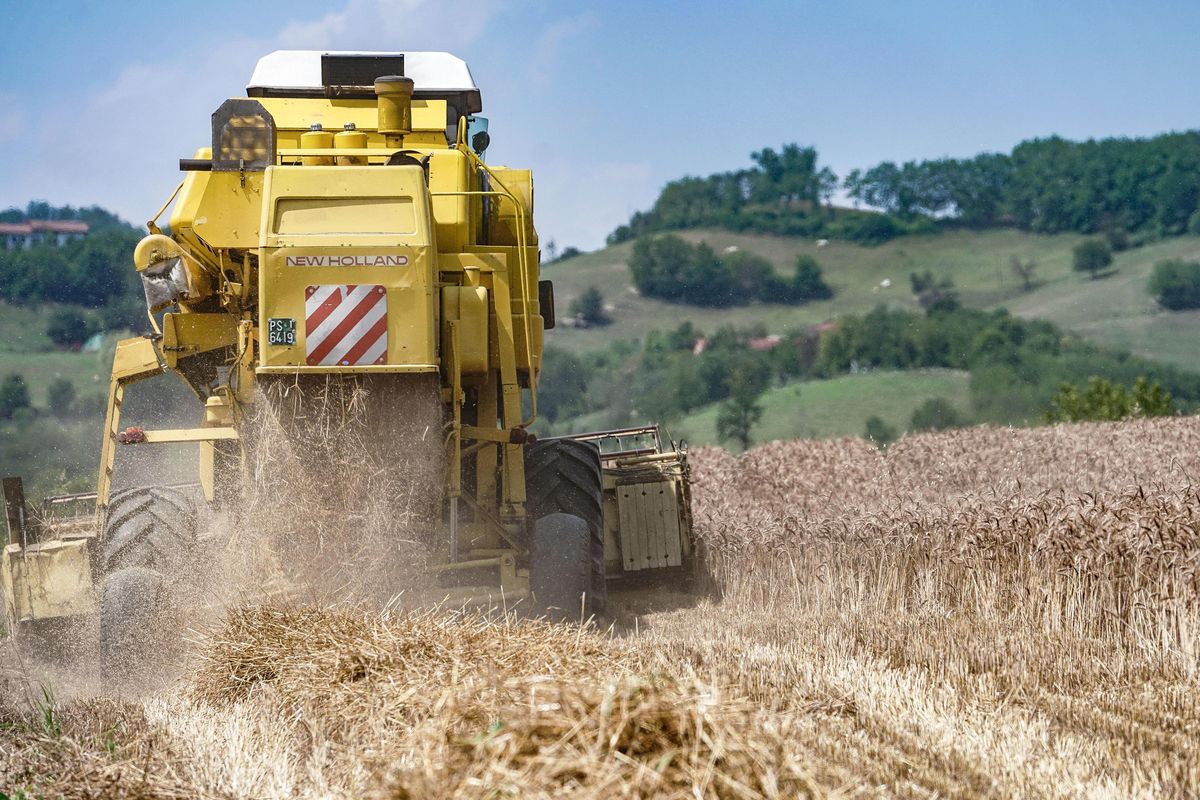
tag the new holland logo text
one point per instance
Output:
(347, 261)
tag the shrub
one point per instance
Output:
(589, 308)
(14, 396)
(879, 431)
(1091, 255)
(1176, 284)
(755, 276)
(68, 327)
(1105, 400)
(934, 294)
(936, 414)
(870, 228)
(669, 268)
(808, 283)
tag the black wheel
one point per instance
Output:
(134, 614)
(560, 568)
(152, 527)
(149, 541)
(562, 476)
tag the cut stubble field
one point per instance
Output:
(980, 613)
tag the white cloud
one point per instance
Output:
(550, 43)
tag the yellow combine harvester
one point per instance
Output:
(343, 226)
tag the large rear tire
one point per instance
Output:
(135, 608)
(563, 476)
(149, 542)
(151, 526)
(560, 569)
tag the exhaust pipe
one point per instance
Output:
(395, 94)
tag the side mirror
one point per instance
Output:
(546, 303)
(477, 134)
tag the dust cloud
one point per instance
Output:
(339, 502)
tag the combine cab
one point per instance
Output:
(341, 236)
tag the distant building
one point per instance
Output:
(762, 344)
(56, 232)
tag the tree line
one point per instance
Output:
(95, 274)
(672, 269)
(1017, 367)
(1149, 187)
(97, 218)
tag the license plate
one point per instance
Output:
(281, 330)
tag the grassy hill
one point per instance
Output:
(836, 407)
(819, 409)
(1114, 311)
(25, 349)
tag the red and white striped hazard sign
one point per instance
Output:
(345, 326)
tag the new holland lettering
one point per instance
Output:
(347, 261)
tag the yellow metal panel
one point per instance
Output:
(307, 254)
(190, 435)
(344, 216)
(468, 306)
(449, 172)
(48, 579)
(535, 329)
(136, 359)
(222, 209)
(338, 185)
(503, 223)
(294, 115)
(188, 334)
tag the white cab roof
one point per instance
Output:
(434, 74)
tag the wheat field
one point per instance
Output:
(980, 613)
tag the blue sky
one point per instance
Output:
(605, 101)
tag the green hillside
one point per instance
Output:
(26, 350)
(1114, 311)
(836, 407)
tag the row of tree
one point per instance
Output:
(97, 218)
(93, 275)
(672, 269)
(85, 272)
(1145, 186)
(785, 193)
(1016, 366)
